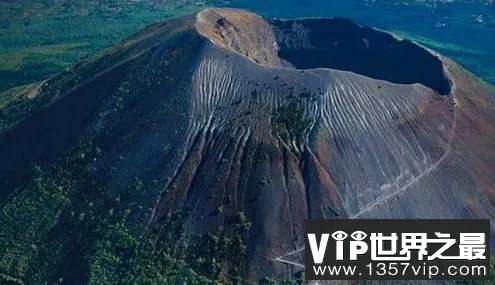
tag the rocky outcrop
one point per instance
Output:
(240, 31)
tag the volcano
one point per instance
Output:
(225, 129)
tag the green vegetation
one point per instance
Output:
(38, 55)
(64, 225)
(52, 221)
(483, 282)
(269, 281)
(40, 38)
(16, 102)
(16, 93)
(288, 122)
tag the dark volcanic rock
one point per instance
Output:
(225, 113)
(341, 44)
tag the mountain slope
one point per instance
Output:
(210, 138)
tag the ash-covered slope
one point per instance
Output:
(236, 129)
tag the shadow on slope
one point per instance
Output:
(342, 44)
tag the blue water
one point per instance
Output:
(462, 30)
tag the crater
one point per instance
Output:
(341, 44)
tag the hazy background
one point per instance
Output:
(39, 38)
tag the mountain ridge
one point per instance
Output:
(239, 147)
